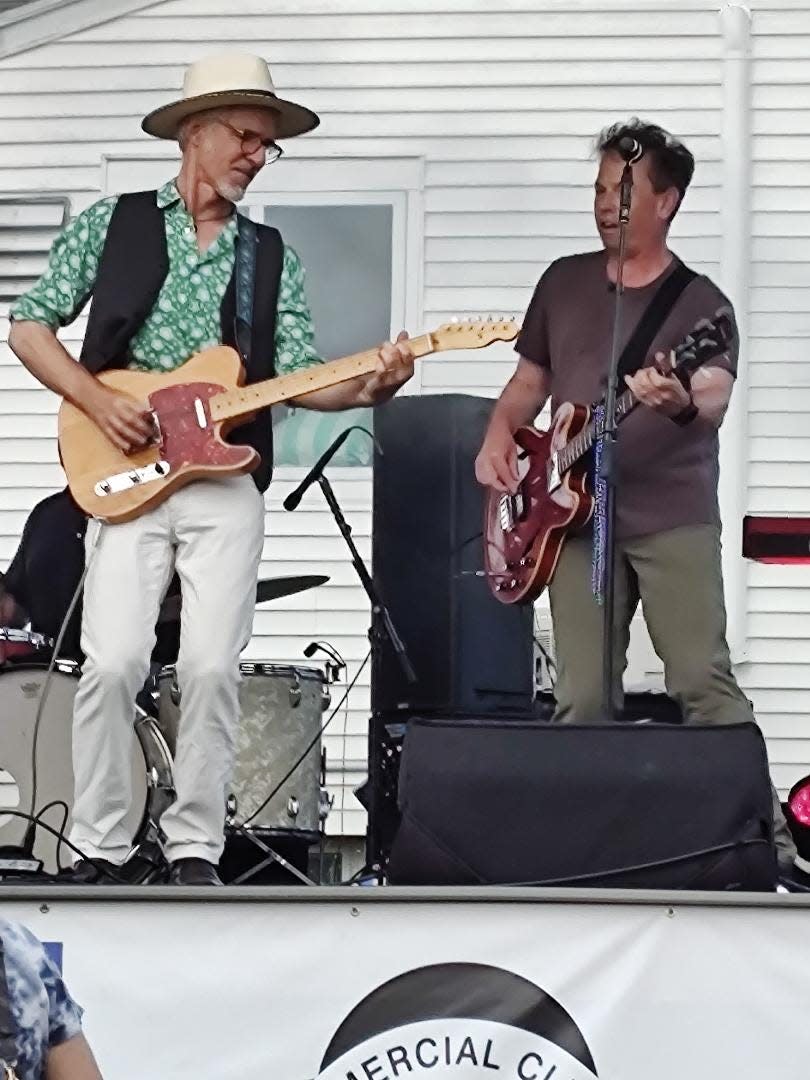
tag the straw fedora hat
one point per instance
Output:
(229, 79)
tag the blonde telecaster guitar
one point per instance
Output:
(192, 409)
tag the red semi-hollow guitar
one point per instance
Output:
(524, 533)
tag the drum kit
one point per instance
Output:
(277, 801)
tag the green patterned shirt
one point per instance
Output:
(186, 315)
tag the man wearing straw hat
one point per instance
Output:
(167, 270)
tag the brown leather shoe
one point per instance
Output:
(193, 872)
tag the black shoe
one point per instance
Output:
(795, 878)
(193, 872)
(95, 872)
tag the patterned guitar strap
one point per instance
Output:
(8, 1028)
(247, 241)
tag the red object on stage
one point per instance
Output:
(783, 540)
(799, 802)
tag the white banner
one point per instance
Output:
(369, 988)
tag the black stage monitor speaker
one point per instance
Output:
(470, 652)
(639, 805)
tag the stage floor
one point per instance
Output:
(368, 983)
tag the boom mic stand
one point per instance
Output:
(382, 625)
(607, 465)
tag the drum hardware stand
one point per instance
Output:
(272, 856)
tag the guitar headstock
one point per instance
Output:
(474, 333)
(709, 338)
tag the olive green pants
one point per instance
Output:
(677, 577)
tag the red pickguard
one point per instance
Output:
(183, 441)
(520, 558)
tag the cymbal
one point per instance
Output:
(275, 587)
(267, 589)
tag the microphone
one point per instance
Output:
(295, 496)
(630, 149)
(324, 646)
(335, 663)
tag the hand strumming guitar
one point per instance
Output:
(126, 422)
(496, 464)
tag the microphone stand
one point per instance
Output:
(381, 626)
(380, 615)
(607, 470)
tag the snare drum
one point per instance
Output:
(21, 684)
(22, 645)
(282, 713)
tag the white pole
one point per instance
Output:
(735, 21)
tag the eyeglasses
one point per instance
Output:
(251, 142)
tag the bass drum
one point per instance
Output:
(282, 713)
(21, 684)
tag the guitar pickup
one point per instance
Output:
(124, 481)
(156, 438)
(511, 508)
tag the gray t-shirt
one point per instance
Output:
(667, 475)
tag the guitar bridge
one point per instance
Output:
(118, 482)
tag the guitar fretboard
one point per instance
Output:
(582, 443)
(256, 396)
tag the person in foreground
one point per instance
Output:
(667, 516)
(162, 268)
(40, 1023)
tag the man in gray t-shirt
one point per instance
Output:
(667, 520)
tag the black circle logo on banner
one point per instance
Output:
(459, 1020)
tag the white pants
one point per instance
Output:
(211, 532)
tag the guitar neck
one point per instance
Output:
(582, 443)
(256, 396)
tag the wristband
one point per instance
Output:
(686, 415)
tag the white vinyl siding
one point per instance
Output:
(777, 678)
(501, 100)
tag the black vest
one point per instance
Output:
(131, 272)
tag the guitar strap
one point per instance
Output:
(655, 314)
(8, 1027)
(632, 358)
(245, 270)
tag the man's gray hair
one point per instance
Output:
(206, 116)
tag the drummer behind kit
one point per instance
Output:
(277, 802)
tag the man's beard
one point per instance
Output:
(232, 192)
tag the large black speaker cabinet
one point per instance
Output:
(470, 652)
(624, 805)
